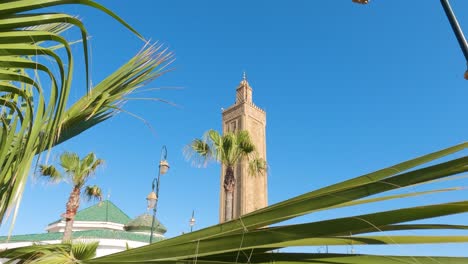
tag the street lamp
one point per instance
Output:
(153, 197)
(192, 221)
(453, 23)
(457, 30)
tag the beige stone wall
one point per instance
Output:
(255, 187)
(251, 191)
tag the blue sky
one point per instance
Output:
(348, 89)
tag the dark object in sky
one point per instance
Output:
(361, 1)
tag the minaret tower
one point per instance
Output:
(251, 191)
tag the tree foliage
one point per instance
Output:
(228, 149)
(77, 172)
(35, 83)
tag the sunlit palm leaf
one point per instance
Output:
(257, 166)
(30, 253)
(82, 250)
(298, 258)
(51, 172)
(93, 193)
(71, 253)
(244, 240)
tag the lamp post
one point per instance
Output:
(457, 30)
(192, 221)
(153, 197)
(453, 23)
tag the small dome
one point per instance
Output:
(143, 223)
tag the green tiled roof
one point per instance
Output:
(104, 211)
(143, 223)
(88, 234)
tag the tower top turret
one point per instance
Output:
(244, 91)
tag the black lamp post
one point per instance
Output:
(153, 197)
(457, 30)
(453, 23)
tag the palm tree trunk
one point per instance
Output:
(229, 185)
(72, 206)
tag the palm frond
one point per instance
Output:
(71, 253)
(245, 143)
(89, 164)
(30, 253)
(33, 120)
(252, 239)
(51, 172)
(257, 166)
(55, 258)
(88, 160)
(199, 152)
(302, 258)
(82, 250)
(96, 164)
(215, 141)
(229, 151)
(107, 95)
(70, 162)
(93, 193)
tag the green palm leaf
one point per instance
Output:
(250, 240)
(337, 259)
(82, 250)
(72, 253)
(93, 193)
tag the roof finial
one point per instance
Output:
(244, 76)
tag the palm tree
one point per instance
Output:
(77, 172)
(36, 113)
(228, 149)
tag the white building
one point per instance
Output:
(104, 222)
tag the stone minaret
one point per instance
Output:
(251, 191)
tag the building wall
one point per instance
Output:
(106, 246)
(85, 225)
(251, 191)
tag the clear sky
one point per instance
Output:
(348, 89)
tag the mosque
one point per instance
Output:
(104, 222)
